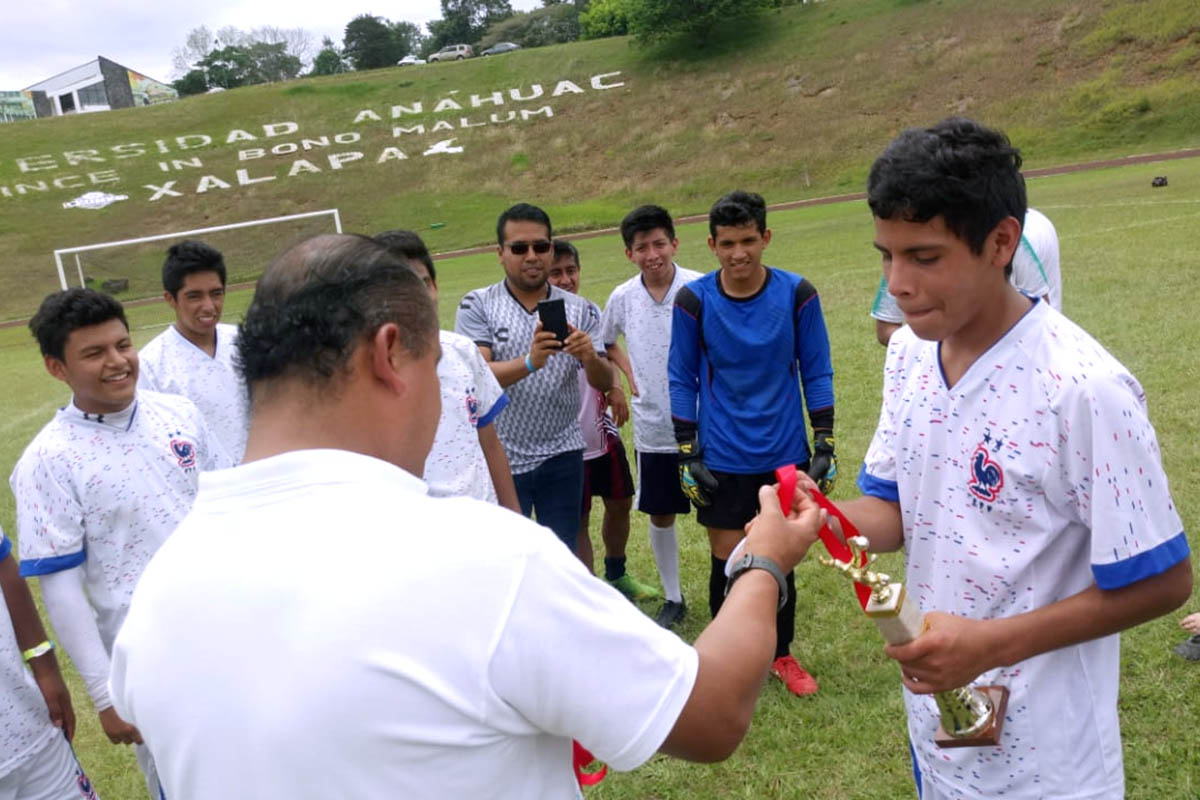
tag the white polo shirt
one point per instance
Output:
(471, 399)
(24, 719)
(1036, 476)
(170, 363)
(646, 325)
(445, 661)
(106, 491)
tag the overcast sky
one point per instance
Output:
(47, 37)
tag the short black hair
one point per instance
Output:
(187, 257)
(320, 299)
(408, 245)
(564, 248)
(737, 209)
(522, 212)
(66, 311)
(968, 174)
(644, 219)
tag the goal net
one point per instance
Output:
(131, 269)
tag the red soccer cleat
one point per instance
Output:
(794, 677)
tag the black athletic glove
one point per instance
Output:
(824, 466)
(694, 478)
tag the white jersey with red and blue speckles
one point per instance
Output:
(105, 491)
(24, 720)
(471, 399)
(1035, 476)
(172, 364)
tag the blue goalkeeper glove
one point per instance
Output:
(823, 468)
(694, 478)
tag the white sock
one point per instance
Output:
(666, 557)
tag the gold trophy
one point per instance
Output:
(972, 715)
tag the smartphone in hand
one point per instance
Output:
(553, 314)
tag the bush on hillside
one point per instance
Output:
(604, 18)
(553, 24)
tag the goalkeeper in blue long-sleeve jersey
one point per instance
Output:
(743, 340)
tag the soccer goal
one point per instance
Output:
(132, 268)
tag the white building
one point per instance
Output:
(98, 85)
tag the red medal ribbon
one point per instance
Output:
(582, 758)
(838, 549)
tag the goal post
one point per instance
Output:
(71, 261)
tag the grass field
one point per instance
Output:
(1127, 257)
(796, 105)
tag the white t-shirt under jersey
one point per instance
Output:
(646, 325)
(445, 662)
(170, 363)
(1036, 476)
(106, 496)
(471, 399)
(24, 719)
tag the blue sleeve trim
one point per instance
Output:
(493, 412)
(32, 567)
(878, 487)
(5, 548)
(1144, 565)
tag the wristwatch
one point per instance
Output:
(750, 561)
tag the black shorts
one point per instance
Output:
(659, 491)
(607, 476)
(736, 500)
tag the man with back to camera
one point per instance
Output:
(540, 429)
(349, 686)
(467, 458)
(640, 310)
(606, 471)
(1035, 272)
(1039, 524)
(102, 486)
(194, 356)
(743, 340)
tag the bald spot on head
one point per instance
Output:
(318, 300)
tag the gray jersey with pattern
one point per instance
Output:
(542, 419)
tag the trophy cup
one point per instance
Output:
(971, 716)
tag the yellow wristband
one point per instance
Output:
(37, 650)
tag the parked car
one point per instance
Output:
(452, 52)
(409, 60)
(500, 47)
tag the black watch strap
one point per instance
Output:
(751, 561)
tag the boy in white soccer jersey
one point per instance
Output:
(1015, 464)
(640, 310)
(36, 718)
(467, 459)
(606, 471)
(194, 356)
(102, 486)
(1035, 271)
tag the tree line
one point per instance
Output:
(231, 57)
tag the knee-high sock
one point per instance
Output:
(665, 545)
(785, 620)
(716, 585)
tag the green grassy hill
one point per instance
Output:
(795, 105)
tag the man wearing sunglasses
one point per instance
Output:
(540, 430)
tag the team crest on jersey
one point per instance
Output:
(987, 476)
(185, 452)
(472, 407)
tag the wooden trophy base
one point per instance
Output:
(989, 736)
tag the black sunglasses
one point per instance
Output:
(541, 247)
